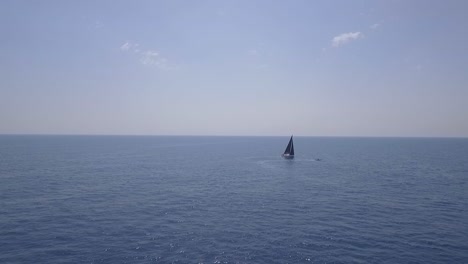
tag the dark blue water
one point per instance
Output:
(104, 199)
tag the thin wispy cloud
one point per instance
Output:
(345, 38)
(258, 58)
(152, 58)
(149, 57)
(98, 24)
(253, 52)
(375, 26)
(126, 46)
(146, 57)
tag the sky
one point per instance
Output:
(240, 67)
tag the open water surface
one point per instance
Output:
(138, 199)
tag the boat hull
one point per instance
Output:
(287, 156)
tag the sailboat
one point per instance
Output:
(289, 151)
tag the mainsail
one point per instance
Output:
(290, 148)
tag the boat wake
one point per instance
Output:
(308, 160)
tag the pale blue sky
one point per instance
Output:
(312, 68)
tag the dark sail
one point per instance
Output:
(291, 152)
(290, 148)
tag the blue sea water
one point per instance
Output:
(145, 199)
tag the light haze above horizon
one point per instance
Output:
(308, 68)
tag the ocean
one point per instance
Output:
(177, 199)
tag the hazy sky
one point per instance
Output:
(315, 68)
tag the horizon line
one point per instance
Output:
(188, 135)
